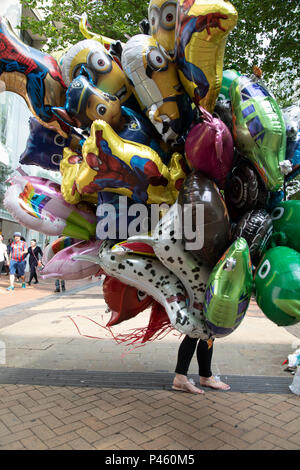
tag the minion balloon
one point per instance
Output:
(105, 73)
(157, 87)
(162, 21)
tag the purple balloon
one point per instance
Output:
(209, 148)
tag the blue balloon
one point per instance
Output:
(44, 147)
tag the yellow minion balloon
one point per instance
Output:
(202, 28)
(104, 71)
(162, 21)
(157, 87)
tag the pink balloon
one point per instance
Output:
(209, 148)
(63, 265)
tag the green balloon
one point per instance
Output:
(258, 128)
(286, 224)
(277, 283)
(227, 79)
(228, 290)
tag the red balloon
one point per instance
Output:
(124, 301)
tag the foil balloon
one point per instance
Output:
(244, 190)
(85, 103)
(201, 32)
(110, 163)
(64, 265)
(162, 21)
(277, 283)
(169, 248)
(229, 289)
(54, 247)
(37, 204)
(259, 129)
(124, 301)
(223, 111)
(286, 224)
(256, 228)
(34, 75)
(153, 278)
(228, 77)
(209, 148)
(106, 74)
(44, 146)
(157, 87)
(117, 216)
(199, 195)
(88, 34)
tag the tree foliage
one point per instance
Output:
(266, 35)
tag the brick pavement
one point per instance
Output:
(80, 418)
(41, 417)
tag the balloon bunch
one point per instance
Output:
(157, 122)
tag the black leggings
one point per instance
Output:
(186, 352)
(33, 272)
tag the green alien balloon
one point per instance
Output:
(258, 129)
(228, 290)
(286, 224)
(277, 284)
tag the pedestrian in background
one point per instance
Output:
(57, 285)
(3, 254)
(18, 253)
(10, 240)
(34, 252)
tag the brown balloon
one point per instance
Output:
(215, 229)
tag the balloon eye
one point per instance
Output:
(277, 213)
(59, 140)
(99, 62)
(168, 16)
(55, 158)
(101, 109)
(141, 295)
(264, 269)
(156, 60)
(154, 19)
(76, 71)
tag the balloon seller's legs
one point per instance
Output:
(204, 357)
(185, 353)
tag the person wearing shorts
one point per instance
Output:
(17, 260)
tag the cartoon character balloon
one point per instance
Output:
(44, 146)
(106, 74)
(259, 129)
(277, 283)
(201, 31)
(162, 21)
(286, 224)
(229, 289)
(127, 304)
(157, 87)
(34, 75)
(110, 163)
